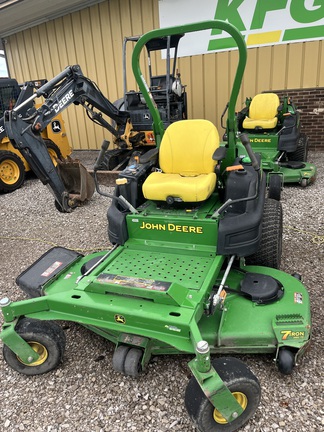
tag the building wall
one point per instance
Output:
(93, 39)
(310, 103)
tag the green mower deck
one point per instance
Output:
(162, 295)
(297, 172)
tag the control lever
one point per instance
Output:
(100, 158)
(246, 142)
(122, 200)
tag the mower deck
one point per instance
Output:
(303, 173)
(161, 291)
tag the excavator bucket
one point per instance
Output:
(78, 182)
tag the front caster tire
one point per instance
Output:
(240, 381)
(118, 360)
(285, 361)
(133, 366)
(127, 360)
(46, 338)
(274, 191)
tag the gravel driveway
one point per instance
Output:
(85, 394)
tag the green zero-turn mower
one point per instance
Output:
(184, 221)
(274, 131)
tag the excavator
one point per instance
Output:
(69, 182)
(13, 166)
(131, 127)
(168, 93)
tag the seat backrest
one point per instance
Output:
(187, 148)
(264, 106)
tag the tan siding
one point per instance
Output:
(320, 69)
(264, 68)
(309, 64)
(221, 78)
(210, 92)
(295, 66)
(197, 87)
(94, 37)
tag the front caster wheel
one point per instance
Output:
(46, 338)
(285, 361)
(133, 366)
(118, 361)
(127, 360)
(274, 191)
(244, 387)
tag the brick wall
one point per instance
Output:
(310, 103)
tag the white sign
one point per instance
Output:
(261, 22)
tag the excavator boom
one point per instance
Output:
(70, 183)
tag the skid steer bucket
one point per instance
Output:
(78, 183)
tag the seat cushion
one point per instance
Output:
(263, 112)
(158, 187)
(186, 160)
(249, 123)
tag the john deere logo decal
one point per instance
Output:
(56, 126)
(120, 319)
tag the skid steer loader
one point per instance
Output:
(13, 165)
(184, 221)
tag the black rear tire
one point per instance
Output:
(270, 249)
(46, 338)
(301, 152)
(240, 381)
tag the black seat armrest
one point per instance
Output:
(219, 153)
(149, 155)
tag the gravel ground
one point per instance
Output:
(85, 394)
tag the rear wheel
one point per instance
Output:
(240, 381)
(46, 338)
(301, 152)
(12, 171)
(270, 249)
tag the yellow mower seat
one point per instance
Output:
(185, 158)
(263, 112)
